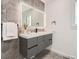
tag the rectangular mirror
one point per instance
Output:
(32, 16)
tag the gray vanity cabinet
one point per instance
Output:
(29, 48)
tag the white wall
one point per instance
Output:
(64, 40)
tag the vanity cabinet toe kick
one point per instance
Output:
(29, 48)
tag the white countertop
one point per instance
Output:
(31, 35)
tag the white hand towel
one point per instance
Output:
(9, 31)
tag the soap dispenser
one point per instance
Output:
(36, 30)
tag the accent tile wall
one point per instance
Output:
(9, 8)
(10, 49)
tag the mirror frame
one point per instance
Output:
(21, 22)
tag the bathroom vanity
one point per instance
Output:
(32, 45)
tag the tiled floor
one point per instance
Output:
(48, 54)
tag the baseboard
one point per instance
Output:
(63, 54)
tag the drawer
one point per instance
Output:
(32, 52)
(48, 36)
(31, 42)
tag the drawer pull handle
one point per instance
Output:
(32, 46)
(50, 39)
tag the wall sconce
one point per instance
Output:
(53, 22)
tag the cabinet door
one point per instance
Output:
(44, 41)
(40, 43)
(47, 40)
